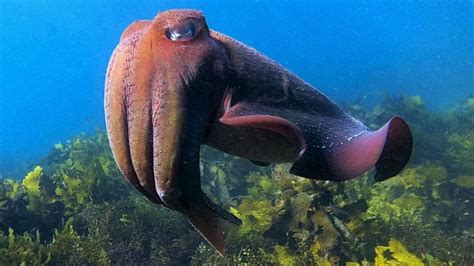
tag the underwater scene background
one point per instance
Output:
(63, 200)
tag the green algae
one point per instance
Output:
(464, 181)
(75, 208)
(395, 254)
(31, 182)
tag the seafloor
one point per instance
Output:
(74, 208)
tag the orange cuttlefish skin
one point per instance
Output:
(173, 85)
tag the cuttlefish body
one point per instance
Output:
(173, 85)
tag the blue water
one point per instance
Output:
(53, 55)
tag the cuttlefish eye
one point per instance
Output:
(183, 32)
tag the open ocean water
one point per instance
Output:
(374, 58)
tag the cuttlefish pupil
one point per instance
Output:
(183, 32)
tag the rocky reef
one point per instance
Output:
(74, 207)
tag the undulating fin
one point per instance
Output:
(257, 163)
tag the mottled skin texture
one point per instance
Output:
(173, 85)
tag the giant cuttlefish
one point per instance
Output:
(173, 85)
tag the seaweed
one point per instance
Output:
(73, 207)
(68, 247)
(16, 249)
(395, 254)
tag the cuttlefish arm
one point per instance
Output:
(164, 83)
(277, 117)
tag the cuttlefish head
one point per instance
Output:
(163, 82)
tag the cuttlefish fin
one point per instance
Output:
(205, 216)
